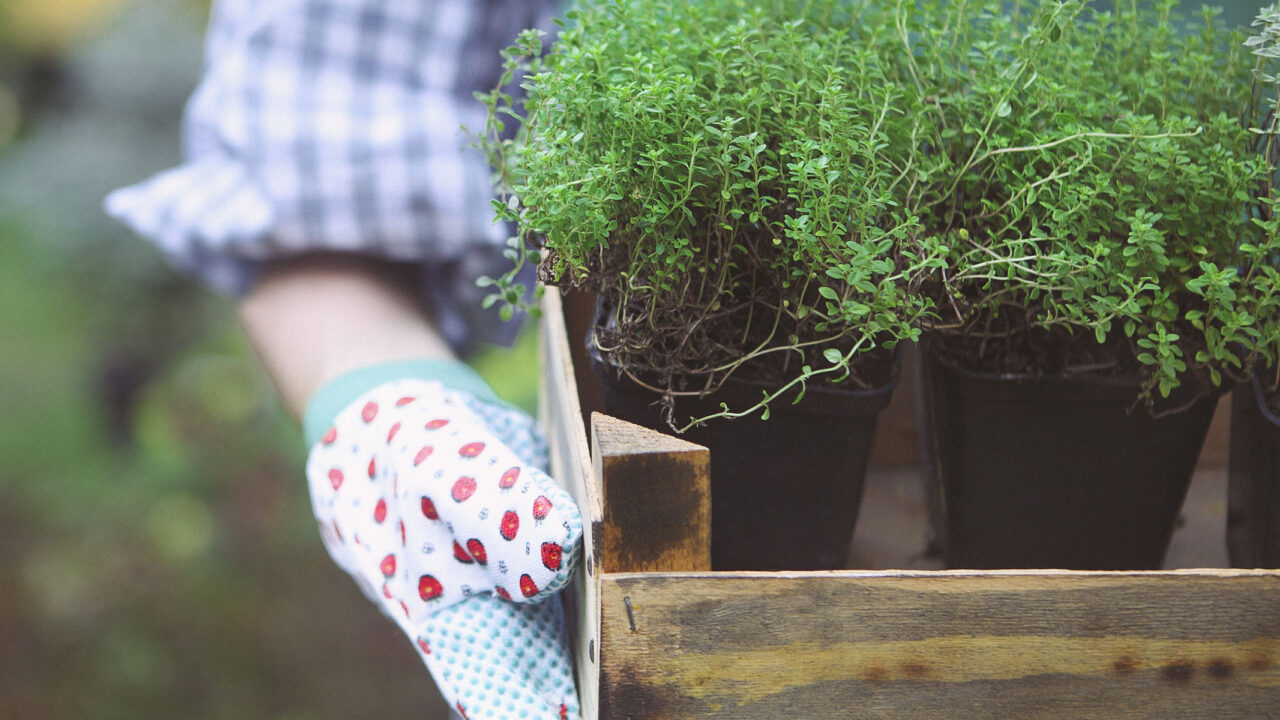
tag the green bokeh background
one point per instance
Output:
(157, 554)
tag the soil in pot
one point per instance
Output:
(1057, 471)
(784, 491)
(1253, 480)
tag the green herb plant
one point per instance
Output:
(732, 178)
(1089, 179)
(1263, 256)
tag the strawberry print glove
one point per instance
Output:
(431, 496)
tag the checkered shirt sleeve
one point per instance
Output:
(332, 125)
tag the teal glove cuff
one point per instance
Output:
(344, 389)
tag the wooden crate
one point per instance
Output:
(659, 636)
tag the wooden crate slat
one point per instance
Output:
(1021, 644)
(571, 465)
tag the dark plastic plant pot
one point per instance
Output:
(1253, 480)
(1056, 472)
(784, 491)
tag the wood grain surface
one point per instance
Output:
(1001, 644)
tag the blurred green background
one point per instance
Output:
(157, 553)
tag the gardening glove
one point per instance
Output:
(430, 493)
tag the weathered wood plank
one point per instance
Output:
(1190, 644)
(656, 491)
(571, 466)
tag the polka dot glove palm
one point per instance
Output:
(434, 501)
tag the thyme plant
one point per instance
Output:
(1089, 177)
(731, 177)
(1264, 256)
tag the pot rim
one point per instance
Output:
(832, 389)
(601, 317)
(1060, 379)
(827, 399)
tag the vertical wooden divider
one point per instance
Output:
(657, 498)
(561, 416)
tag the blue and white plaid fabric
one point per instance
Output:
(333, 125)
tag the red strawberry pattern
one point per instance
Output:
(380, 511)
(541, 506)
(423, 454)
(425, 647)
(460, 554)
(429, 588)
(391, 434)
(373, 467)
(527, 586)
(335, 478)
(429, 509)
(405, 400)
(551, 555)
(471, 449)
(508, 479)
(369, 411)
(464, 488)
(510, 525)
(388, 565)
(502, 592)
(476, 548)
(436, 424)
(330, 436)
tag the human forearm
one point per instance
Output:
(312, 319)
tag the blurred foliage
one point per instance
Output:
(169, 568)
(40, 26)
(157, 552)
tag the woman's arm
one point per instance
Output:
(314, 318)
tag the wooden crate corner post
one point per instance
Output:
(656, 494)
